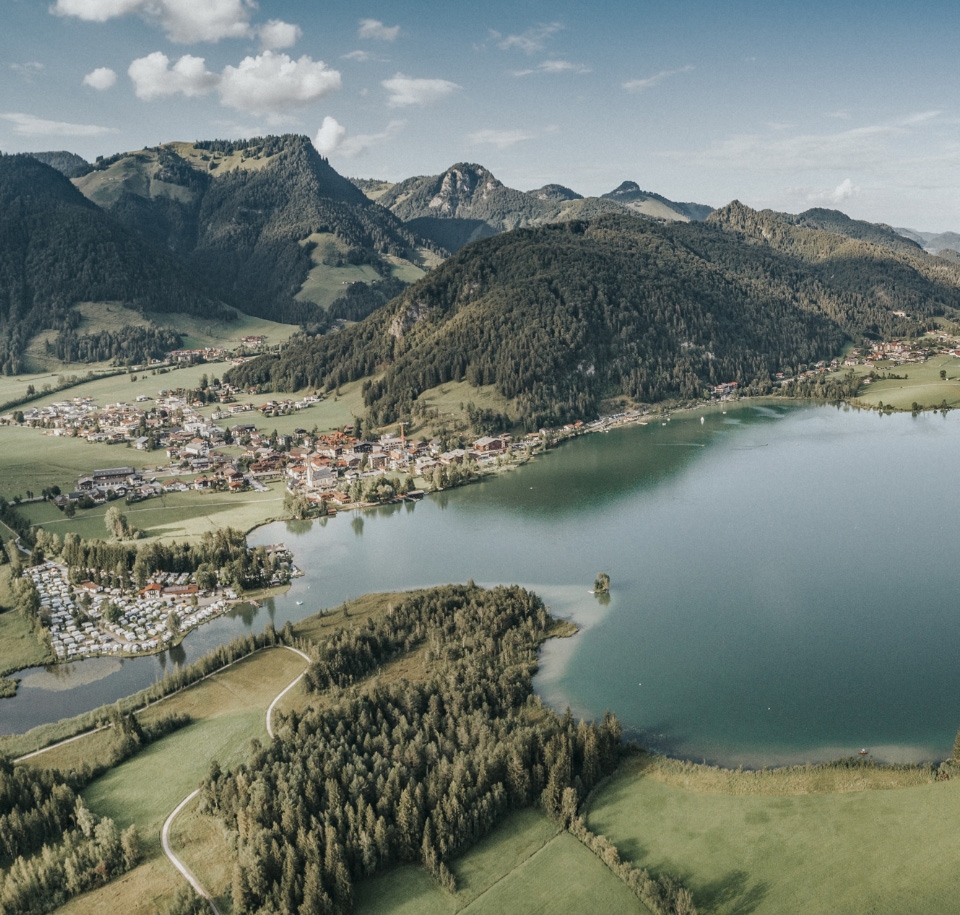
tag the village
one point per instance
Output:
(321, 473)
(87, 618)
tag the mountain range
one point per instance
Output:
(933, 242)
(58, 249)
(271, 227)
(560, 302)
(559, 318)
(467, 202)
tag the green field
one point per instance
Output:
(450, 402)
(125, 387)
(19, 646)
(326, 281)
(173, 516)
(113, 316)
(526, 865)
(765, 850)
(922, 384)
(405, 271)
(228, 709)
(30, 460)
(333, 412)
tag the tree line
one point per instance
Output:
(130, 345)
(406, 772)
(52, 846)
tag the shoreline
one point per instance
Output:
(744, 403)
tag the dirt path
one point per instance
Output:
(165, 832)
(176, 862)
(285, 691)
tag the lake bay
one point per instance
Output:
(783, 583)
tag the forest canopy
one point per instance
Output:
(558, 318)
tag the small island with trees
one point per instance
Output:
(601, 584)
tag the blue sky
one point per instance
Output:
(784, 105)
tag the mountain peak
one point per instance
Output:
(627, 188)
(463, 184)
(555, 192)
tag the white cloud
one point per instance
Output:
(183, 21)
(330, 136)
(101, 78)
(27, 125)
(501, 139)
(28, 70)
(406, 91)
(277, 34)
(869, 147)
(270, 81)
(258, 85)
(95, 10)
(374, 29)
(358, 55)
(530, 41)
(356, 146)
(554, 66)
(920, 117)
(638, 85)
(844, 191)
(153, 77)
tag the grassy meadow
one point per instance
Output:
(921, 385)
(325, 281)
(227, 711)
(30, 460)
(172, 516)
(19, 646)
(786, 841)
(113, 316)
(526, 865)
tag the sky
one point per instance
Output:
(790, 105)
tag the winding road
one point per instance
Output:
(165, 832)
(176, 862)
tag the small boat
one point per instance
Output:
(299, 603)
(863, 751)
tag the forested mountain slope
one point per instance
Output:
(58, 249)
(248, 216)
(560, 317)
(68, 163)
(840, 224)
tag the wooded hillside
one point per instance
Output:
(58, 249)
(559, 317)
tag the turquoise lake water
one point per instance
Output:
(783, 582)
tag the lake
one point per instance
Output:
(783, 584)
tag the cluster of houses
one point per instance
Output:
(170, 423)
(896, 352)
(724, 391)
(141, 621)
(190, 356)
(320, 468)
